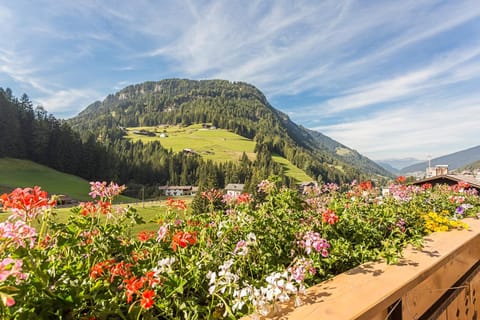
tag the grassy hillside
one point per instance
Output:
(470, 167)
(22, 173)
(219, 145)
(235, 106)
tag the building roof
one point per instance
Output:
(451, 179)
(234, 187)
(176, 188)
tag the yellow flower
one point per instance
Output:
(438, 222)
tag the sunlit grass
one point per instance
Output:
(18, 173)
(219, 145)
(151, 212)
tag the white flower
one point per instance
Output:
(212, 276)
(298, 301)
(237, 305)
(164, 265)
(290, 287)
(283, 297)
(226, 265)
(211, 289)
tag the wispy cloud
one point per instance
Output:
(21, 71)
(66, 101)
(446, 70)
(335, 63)
(414, 129)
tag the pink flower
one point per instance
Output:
(26, 203)
(241, 248)
(11, 268)
(7, 299)
(265, 186)
(301, 268)
(104, 191)
(312, 240)
(18, 232)
(228, 199)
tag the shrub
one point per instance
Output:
(242, 259)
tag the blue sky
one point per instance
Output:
(390, 79)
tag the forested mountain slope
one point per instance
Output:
(238, 107)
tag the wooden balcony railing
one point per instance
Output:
(440, 281)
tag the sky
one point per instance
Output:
(390, 79)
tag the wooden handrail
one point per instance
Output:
(414, 284)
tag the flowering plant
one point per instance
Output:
(244, 259)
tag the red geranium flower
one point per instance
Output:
(144, 236)
(28, 202)
(329, 216)
(401, 179)
(244, 198)
(426, 186)
(365, 185)
(182, 239)
(147, 299)
(133, 285)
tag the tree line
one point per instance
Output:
(31, 133)
(238, 107)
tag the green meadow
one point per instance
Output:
(219, 145)
(149, 211)
(17, 173)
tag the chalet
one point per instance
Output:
(451, 179)
(178, 190)
(63, 200)
(144, 133)
(307, 185)
(234, 189)
(189, 151)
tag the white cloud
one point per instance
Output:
(68, 100)
(12, 65)
(450, 68)
(414, 130)
(361, 55)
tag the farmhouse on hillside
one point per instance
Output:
(234, 189)
(302, 187)
(178, 190)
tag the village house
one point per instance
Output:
(440, 175)
(234, 189)
(178, 190)
(306, 185)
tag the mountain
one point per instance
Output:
(236, 106)
(474, 166)
(454, 160)
(388, 167)
(398, 163)
(346, 154)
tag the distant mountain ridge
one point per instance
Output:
(454, 160)
(236, 106)
(388, 167)
(398, 163)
